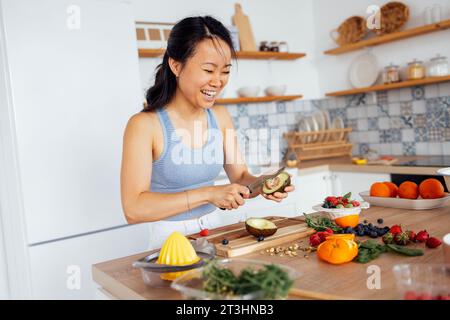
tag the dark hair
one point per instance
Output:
(183, 39)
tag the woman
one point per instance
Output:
(166, 176)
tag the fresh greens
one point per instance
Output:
(271, 280)
(320, 223)
(370, 250)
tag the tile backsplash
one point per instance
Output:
(408, 121)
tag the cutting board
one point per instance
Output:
(240, 242)
(242, 22)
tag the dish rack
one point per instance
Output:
(319, 144)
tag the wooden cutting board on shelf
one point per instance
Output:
(240, 242)
(242, 22)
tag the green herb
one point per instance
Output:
(347, 195)
(271, 280)
(405, 251)
(320, 223)
(370, 250)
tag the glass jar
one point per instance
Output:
(274, 46)
(283, 47)
(391, 74)
(263, 46)
(438, 67)
(416, 70)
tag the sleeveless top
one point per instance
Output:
(181, 167)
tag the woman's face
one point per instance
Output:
(206, 73)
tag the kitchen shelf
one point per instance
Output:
(257, 99)
(445, 24)
(247, 55)
(384, 87)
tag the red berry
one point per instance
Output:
(396, 229)
(433, 242)
(410, 295)
(422, 236)
(204, 232)
(329, 230)
(355, 203)
(412, 235)
(315, 240)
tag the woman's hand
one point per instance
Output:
(279, 196)
(229, 196)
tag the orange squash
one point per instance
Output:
(337, 250)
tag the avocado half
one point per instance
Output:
(277, 184)
(260, 227)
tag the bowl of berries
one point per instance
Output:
(343, 210)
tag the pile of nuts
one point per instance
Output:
(290, 251)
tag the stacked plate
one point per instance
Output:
(320, 121)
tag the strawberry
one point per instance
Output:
(315, 240)
(355, 203)
(401, 238)
(411, 235)
(422, 236)
(433, 242)
(388, 238)
(396, 229)
(329, 230)
(204, 232)
(323, 235)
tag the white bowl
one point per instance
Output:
(275, 90)
(338, 213)
(446, 173)
(410, 204)
(248, 91)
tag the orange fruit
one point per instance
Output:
(431, 189)
(348, 221)
(379, 189)
(408, 190)
(337, 251)
(347, 236)
(392, 188)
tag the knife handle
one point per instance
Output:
(240, 195)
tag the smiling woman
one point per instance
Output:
(166, 143)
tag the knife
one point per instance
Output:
(255, 185)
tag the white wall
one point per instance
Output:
(333, 70)
(287, 20)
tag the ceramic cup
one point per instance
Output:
(446, 243)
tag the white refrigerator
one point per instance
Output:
(72, 81)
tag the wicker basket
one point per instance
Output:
(319, 144)
(394, 16)
(350, 31)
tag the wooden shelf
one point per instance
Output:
(384, 87)
(391, 37)
(257, 99)
(248, 55)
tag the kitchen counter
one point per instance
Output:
(345, 164)
(120, 280)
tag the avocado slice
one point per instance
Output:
(260, 227)
(277, 184)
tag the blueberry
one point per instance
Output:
(360, 225)
(373, 234)
(360, 233)
(380, 232)
(326, 205)
(367, 232)
(386, 229)
(225, 242)
(380, 221)
(260, 238)
(370, 225)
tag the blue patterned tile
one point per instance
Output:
(446, 134)
(355, 100)
(420, 121)
(406, 122)
(281, 107)
(396, 135)
(372, 123)
(259, 121)
(409, 148)
(383, 110)
(418, 93)
(385, 136)
(242, 110)
(421, 134)
(382, 97)
(434, 134)
(352, 124)
(364, 148)
(435, 113)
(406, 108)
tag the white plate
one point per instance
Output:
(326, 116)
(337, 123)
(446, 173)
(304, 126)
(314, 127)
(364, 71)
(320, 119)
(418, 204)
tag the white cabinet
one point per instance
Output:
(62, 269)
(311, 189)
(344, 182)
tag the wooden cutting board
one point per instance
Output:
(240, 242)
(242, 22)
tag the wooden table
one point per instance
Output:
(120, 280)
